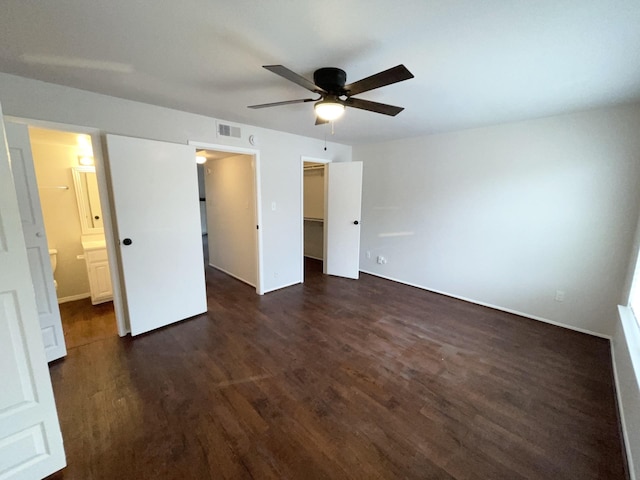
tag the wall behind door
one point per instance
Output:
(53, 163)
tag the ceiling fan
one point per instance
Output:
(335, 95)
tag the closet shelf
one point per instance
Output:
(311, 219)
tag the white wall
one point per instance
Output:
(231, 216)
(280, 154)
(506, 215)
(53, 164)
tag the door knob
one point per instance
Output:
(356, 222)
(39, 234)
(127, 241)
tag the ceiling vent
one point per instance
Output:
(228, 131)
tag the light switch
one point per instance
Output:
(273, 206)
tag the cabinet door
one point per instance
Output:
(99, 275)
(100, 280)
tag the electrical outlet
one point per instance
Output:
(381, 260)
(559, 296)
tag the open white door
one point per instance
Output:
(24, 177)
(157, 210)
(342, 221)
(30, 438)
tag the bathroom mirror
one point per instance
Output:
(86, 184)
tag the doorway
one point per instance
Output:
(334, 218)
(229, 213)
(314, 214)
(69, 198)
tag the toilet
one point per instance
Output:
(53, 258)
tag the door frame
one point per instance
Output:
(258, 198)
(105, 200)
(305, 158)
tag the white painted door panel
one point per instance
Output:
(157, 207)
(35, 237)
(30, 439)
(342, 222)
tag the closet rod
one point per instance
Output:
(54, 187)
(315, 167)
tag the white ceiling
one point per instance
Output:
(475, 62)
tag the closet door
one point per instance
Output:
(157, 211)
(342, 222)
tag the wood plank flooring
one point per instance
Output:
(84, 323)
(338, 379)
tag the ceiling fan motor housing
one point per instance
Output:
(331, 79)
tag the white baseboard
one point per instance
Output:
(495, 307)
(283, 286)
(73, 298)
(233, 275)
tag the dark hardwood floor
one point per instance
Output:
(84, 323)
(340, 379)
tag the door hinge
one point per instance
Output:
(257, 227)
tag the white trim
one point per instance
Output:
(232, 275)
(110, 235)
(495, 307)
(105, 200)
(625, 432)
(305, 158)
(282, 286)
(631, 332)
(73, 298)
(258, 193)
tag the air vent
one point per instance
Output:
(228, 131)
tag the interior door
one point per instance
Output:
(30, 439)
(342, 221)
(157, 210)
(35, 237)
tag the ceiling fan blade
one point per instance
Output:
(286, 102)
(396, 74)
(294, 77)
(373, 106)
(321, 121)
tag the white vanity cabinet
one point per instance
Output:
(95, 256)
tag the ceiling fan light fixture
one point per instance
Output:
(329, 109)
